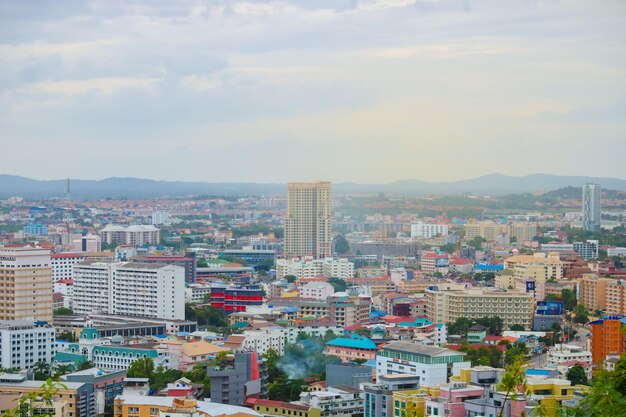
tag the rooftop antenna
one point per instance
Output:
(67, 211)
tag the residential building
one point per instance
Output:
(378, 397)
(25, 284)
(136, 235)
(592, 292)
(616, 252)
(607, 338)
(371, 271)
(513, 307)
(428, 230)
(237, 296)
(563, 353)
(196, 293)
(152, 406)
(160, 217)
(253, 257)
(591, 207)
(259, 341)
(311, 268)
(71, 399)
(547, 393)
(270, 408)
(349, 374)
(523, 232)
(451, 399)
(35, 229)
(616, 297)
(476, 334)
(374, 286)
(23, 343)
(130, 288)
(308, 222)
(88, 243)
(487, 230)
(339, 401)
(587, 249)
(316, 290)
(351, 349)
(233, 382)
(106, 384)
(348, 309)
(539, 267)
(63, 263)
(184, 355)
(186, 262)
(432, 364)
(434, 262)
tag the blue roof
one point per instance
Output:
(420, 321)
(541, 372)
(489, 267)
(161, 336)
(378, 314)
(371, 362)
(291, 310)
(356, 343)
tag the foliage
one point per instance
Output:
(202, 263)
(364, 331)
(290, 278)
(517, 327)
(285, 389)
(69, 336)
(484, 355)
(338, 284)
(462, 324)
(39, 403)
(205, 315)
(198, 375)
(514, 376)
(84, 365)
(41, 371)
(161, 377)
(265, 265)
(494, 324)
(271, 364)
(569, 298)
(341, 245)
(476, 242)
(62, 370)
(577, 375)
(63, 311)
(581, 316)
(484, 276)
(515, 351)
(141, 368)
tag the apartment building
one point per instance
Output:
(151, 406)
(375, 285)
(63, 263)
(432, 262)
(130, 289)
(513, 307)
(311, 268)
(23, 343)
(588, 249)
(348, 309)
(136, 235)
(564, 353)
(539, 266)
(487, 230)
(308, 222)
(523, 232)
(431, 364)
(25, 284)
(428, 230)
(316, 290)
(607, 338)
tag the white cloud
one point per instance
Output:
(97, 85)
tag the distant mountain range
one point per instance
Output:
(136, 188)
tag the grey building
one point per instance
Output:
(378, 401)
(245, 375)
(105, 384)
(348, 374)
(544, 322)
(591, 207)
(386, 249)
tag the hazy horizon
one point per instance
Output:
(370, 92)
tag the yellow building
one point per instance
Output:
(505, 279)
(548, 393)
(270, 408)
(523, 231)
(592, 292)
(410, 403)
(487, 230)
(540, 267)
(66, 402)
(149, 406)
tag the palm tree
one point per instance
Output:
(62, 370)
(41, 370)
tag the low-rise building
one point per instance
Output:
(351, 349)
(23, 343)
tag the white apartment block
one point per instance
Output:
(136, 235)
(62, 264)
(616, 251)
(587, 249)
(311, 268)
(130, 289)
(261, 341)
(317, 290)
(23, 343)
(195, 293)
(160, 217)
(421, 229)
(563, 353)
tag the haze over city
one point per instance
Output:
(272, 91)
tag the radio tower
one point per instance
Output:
(68, 216)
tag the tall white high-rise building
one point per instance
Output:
(308, 223)
(421, 229)
(130, 289)
(23, 343)
(591, 207)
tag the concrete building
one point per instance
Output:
(587, 249)
(607, 338)
(591, 207)
(308, 222)
(349, 374)
(88, 243)
(136, 235)
(523, 232)
(160, 217)
(378, 397)
(428, 230)
(340, 401)
(513, 307)
(539, 267)
(316, 290)
(592, 292)
(25, 284)
(187, 262)
(233, 382)
(433, 365)
(23, 343)
(106, 384)
(311, 268)
(151, 406)
(351, 349)
(259, 341)
(563, 353)
(130, 288)
(487, 230)
(434, 262)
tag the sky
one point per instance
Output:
(366, 91)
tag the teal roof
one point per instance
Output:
(420, 321)
(241, 324)
(150, 353)
(69, 357)
(362, 343)
(89, 333)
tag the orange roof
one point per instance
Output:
(202, 348)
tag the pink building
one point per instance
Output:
(184, 355)
(317, 290)
(350, 349)
(451, 400)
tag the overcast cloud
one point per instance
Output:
(271, 91)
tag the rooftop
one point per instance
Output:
(421, 349)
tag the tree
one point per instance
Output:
(161, 377)
(141, 368)
(581, 316)
(514, 377)
(196, 374)
(62, 370)
(202, 263)
(364, 331)
(517, 327)
(569, 299)
(338, 284)
(84, 365)
(39, 403)
(516, 350)
(69, 336)
(476, 242)
(290, 278)
(63, 311)
(271, 358)
(459, 326)
(577, 375)
(494, 324)
(341, 245)
(285, 389)
(607, 394)
(41, 370)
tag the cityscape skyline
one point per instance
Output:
(193, 88)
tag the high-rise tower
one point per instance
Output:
(591, 207)
(308, 223)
